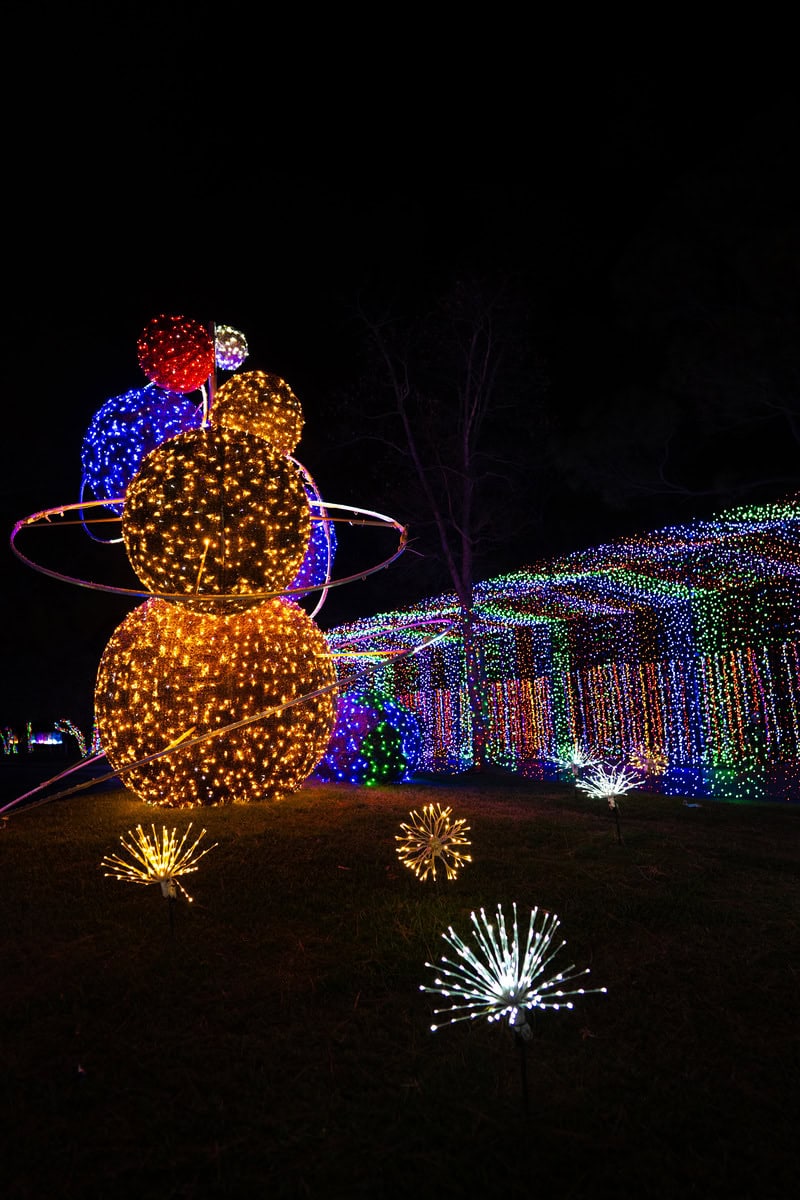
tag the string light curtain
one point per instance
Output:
(681, 645)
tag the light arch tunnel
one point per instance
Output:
(684, 642)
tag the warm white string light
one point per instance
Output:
(430, 838)
(157, 860)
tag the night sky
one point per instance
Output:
(655, 232)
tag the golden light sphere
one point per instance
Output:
(262, 404)
(170, 674)
(213, 512)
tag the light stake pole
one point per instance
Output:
(522, 1035)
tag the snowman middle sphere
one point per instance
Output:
(216, 512)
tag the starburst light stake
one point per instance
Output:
(649, 761)
(609, 783)
(576, 760)
(499, 978)
(158, 861)
(431, 837)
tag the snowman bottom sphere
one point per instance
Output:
(170, 676)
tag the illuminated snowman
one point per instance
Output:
(218, 688)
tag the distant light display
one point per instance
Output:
(430, 839)
(170, 676)
(230, 348)
(260, 404)
(375, 740)
(157, 859)
(66, 726)
(124, 430)
(9, 740)
(46, 737)
(682, 644)
(497, 976)
(216, 512)
(176, 352)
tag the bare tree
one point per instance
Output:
(458, 385)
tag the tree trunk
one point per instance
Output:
(476, 689)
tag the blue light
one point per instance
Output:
(123, 431)
(315, 569)
(375, 740)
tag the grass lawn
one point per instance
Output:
(273, 1041)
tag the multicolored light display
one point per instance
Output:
(219, 688)
(679, 647)
(216, 690)
(67, 726)
(9, 741)
(375, 740)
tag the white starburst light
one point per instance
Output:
(607, 783)
(576, 759)
(500, 978)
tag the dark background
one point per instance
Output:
(648, 212)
